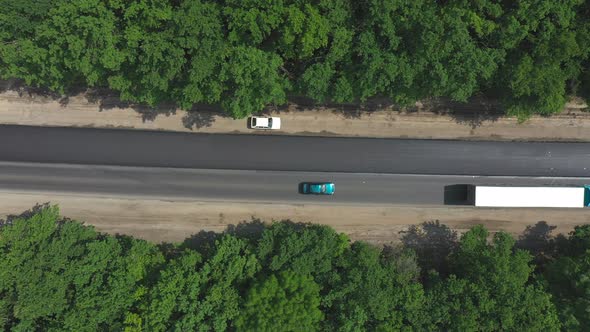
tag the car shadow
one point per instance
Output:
(300, 188)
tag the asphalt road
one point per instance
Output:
(287, 153)
(230, 185)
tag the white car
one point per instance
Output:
(257, 122)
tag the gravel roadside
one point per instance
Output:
(172, 221)
(476, 120)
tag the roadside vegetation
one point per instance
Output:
(60, 275)
(248, 54)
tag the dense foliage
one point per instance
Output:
(59, 275)
(568, 277)
(246, 54)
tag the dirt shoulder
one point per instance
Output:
(442, 120)
(171, 221)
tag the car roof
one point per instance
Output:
(261, 122)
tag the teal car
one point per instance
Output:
(317, 188)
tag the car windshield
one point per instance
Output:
(254, 121)
(323, 188)
(270, 122)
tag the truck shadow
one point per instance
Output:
(457, 194)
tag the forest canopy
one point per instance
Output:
(247, 54)
(58, 274)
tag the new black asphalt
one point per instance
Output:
(288, 153)
(249, 186)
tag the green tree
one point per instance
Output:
(568, 278)
(195, 294)
(293, 35)
(251, 81)
(578, 242)
(361, 287)
(489, 289)
(369, 292)
(153, 57)
(569, 282)
(20, 18)
(424, 49)
(546, 43)
(19, 21)
(60, 275)
(75, 43)
(326, 74)
(304, 248)
(246, 55)
(295, 30)
(251, 22)
(81, 41)
(289, 302)
(199, 31)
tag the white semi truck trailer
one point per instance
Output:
(507, 196)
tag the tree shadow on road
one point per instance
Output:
(536, 237)
(475, 112)
(25, 214)
(204, 241)
(24, 90)
(249, 230)
(197, 117)
(201, 116)
(354, 110)
(541, 243)
(432, 242)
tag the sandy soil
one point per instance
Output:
(434, 119)
(158, 220)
